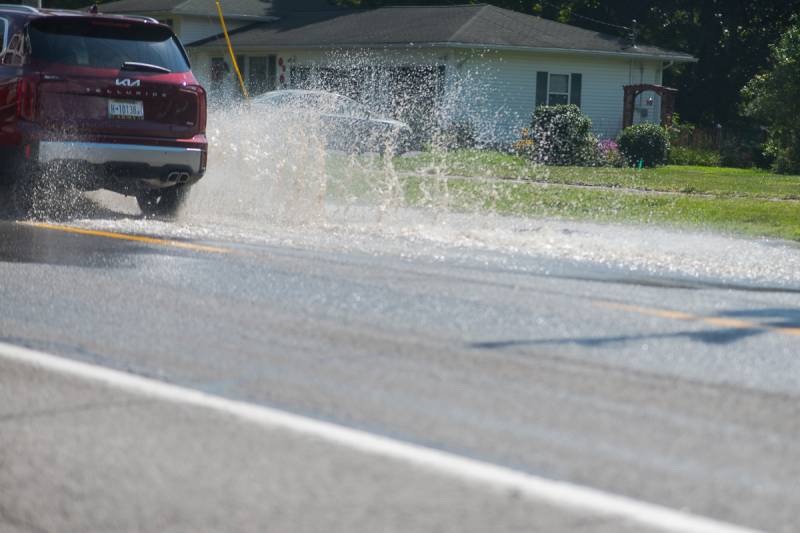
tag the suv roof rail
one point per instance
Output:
(18, 7)
(141, 17)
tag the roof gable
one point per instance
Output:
(473, 26)
(315, 23)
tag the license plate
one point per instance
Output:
(126, 109)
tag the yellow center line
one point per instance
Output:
(732, 323)
(127, 237)
(723, 322)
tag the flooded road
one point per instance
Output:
(653, 364)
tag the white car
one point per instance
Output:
(345, 124)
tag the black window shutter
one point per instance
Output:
(575, 89)
(541, 88)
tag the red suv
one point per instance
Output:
(99, 102)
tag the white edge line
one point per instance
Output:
(557, 493)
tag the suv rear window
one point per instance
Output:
(104, 43)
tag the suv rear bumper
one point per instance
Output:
(155, 157)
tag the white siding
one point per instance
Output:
(191, 29)
(494, 91)
(505, 84)
(201, 66)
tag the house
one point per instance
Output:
(476, 66)
(192, 20)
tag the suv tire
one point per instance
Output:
(162, 202)
(38, 193)
(28, 194)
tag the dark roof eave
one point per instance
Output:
(218, 36)
(135, 11)
(676, 57)
(251, 18)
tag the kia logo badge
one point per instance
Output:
(127, 82)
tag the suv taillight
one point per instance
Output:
(202, 110)
(199, 94)
(26, 98)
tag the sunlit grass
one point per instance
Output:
(740, 201)
(739, 215)
(676, 179)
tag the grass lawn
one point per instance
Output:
(750, 202)
(684, 179)
(740, 215)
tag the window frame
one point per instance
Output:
(12, 55)
(6, 33)
(568, 94)
(270, 81)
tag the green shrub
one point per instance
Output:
(680, 155)
(679, 131)
(561, 135)
(771, 98)
(743, 146)
(644, 142)
(457, 135)
(787, 153)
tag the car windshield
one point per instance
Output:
(105, 44)
(340, 105)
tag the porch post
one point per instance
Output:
(667, 107)
(627, 110)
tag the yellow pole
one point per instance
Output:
(230, 50)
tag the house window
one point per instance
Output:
(220, 72)
(261, 74)
(241, 66)
(300, 77)
(558, 89)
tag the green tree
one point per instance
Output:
(773, 97)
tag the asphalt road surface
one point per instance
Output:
(674, 390)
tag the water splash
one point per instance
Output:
(273, 179)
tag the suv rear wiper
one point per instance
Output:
(133, 65)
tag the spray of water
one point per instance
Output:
(283, 187)
(276, 177)
(292, 164)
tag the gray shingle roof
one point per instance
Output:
(232, 8)
(476, 26)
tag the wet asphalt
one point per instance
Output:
(670, 391)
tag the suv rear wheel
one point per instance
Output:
(162, 202)
(24, 191)
(49, 192)
(36, 194)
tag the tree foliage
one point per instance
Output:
(773, 98)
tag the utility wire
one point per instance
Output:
(590, 19)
